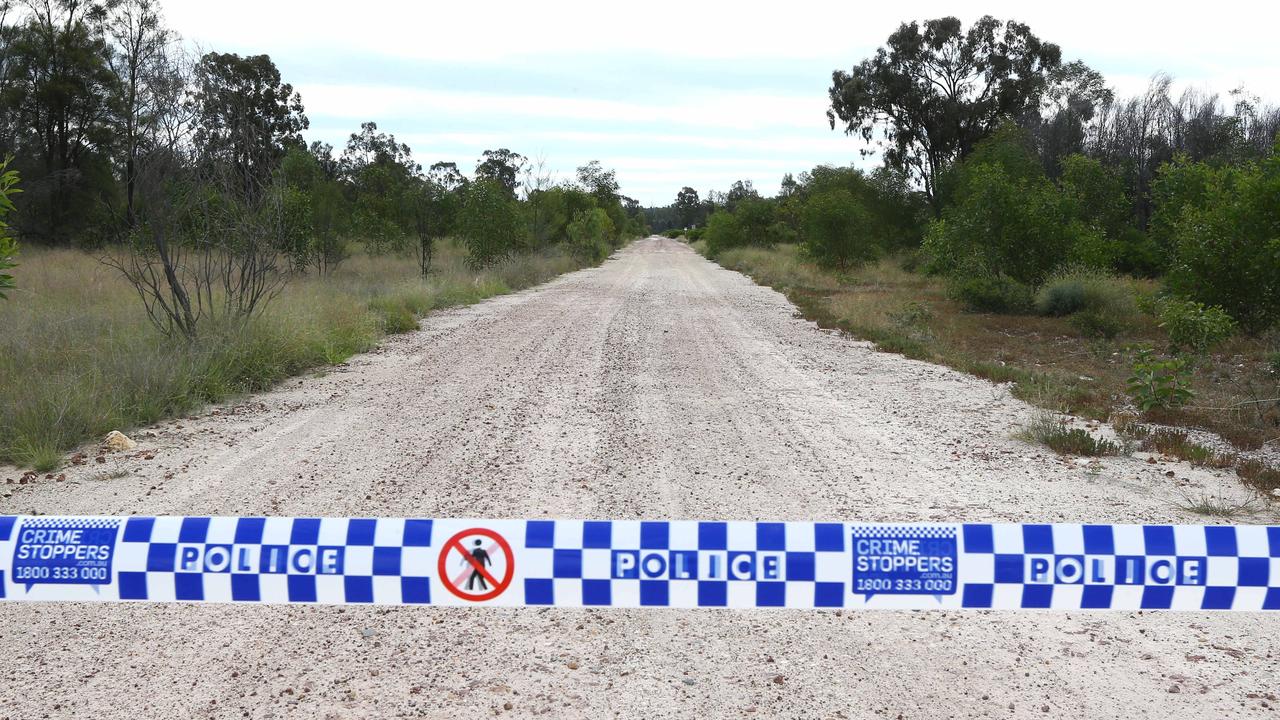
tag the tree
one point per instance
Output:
(246, 117)
(590, 234)
(688, 206)
(1226, 250)
(384, 180)
(601, 183)
(446, 175)
(61, 97)
(1003, 223)
(490, 223)
(836, 229)
(8, 246)
(934, 92)
(740, 190)
(503, 167)
(150, 83)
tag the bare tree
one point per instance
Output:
(200, 253)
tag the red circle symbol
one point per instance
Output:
(476, 565)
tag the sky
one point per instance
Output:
(670, 93)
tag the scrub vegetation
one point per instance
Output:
(1106, 256)
(182, 243)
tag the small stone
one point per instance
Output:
(687, 681)
(1175, 689)
(368, 632)
(572, 665)
(777, 679)
(117, 440)
(507, 705)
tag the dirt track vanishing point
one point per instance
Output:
(656, 386)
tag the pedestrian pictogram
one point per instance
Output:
(476, 564)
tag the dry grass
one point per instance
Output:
(1052, 363)
(79, 358)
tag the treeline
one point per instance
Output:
(122, 139)
(1007, 169)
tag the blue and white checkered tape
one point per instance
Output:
(611, 563)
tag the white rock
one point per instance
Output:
(117, 440)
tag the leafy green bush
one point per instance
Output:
(1005, 218)
(995, 294)
(8, 246)
(1225, 247)
(589, 235)
(723, 231)
(1159, 382)
(835, 226)
(1191, 325)
(491, 224)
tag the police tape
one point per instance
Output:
(604, 563)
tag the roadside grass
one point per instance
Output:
(1052, 431)
(1052, 362)
(1215, 506)
(79, 358)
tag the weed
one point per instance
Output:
(1259, 475)
(1159, 383)
(1216, 506)
(1052, 431)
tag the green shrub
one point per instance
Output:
(1099, 305)
(1005, 217)
(1059, 298)
(1049, 430)
(491, 224)
(1191, 325)
(723, 231)
(1159, 382)
(589, 235)
(995, 294)
(8, 246)
(1225, 247)
(836, 230)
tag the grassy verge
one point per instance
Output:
(78, 357)
(1051, 361)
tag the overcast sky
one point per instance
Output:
(669, 93)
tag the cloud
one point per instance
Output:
(672, 92)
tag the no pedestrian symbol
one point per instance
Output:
(476, 564)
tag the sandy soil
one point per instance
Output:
(656, 386)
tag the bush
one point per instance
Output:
(491, 224)
(1049, 430)
(1100, 305)
(589, 235)
(1225, 248)
(1159, 382)
(995, 294)
(1006, 218)
(723, 231)
(8, 246)
(1191, 325)
(835, 226)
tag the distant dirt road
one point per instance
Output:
(656, 386)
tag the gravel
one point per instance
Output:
(656, 386)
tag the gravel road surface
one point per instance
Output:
(656, 386)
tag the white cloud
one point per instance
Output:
(658, 129)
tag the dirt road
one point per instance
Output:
(656, 386)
